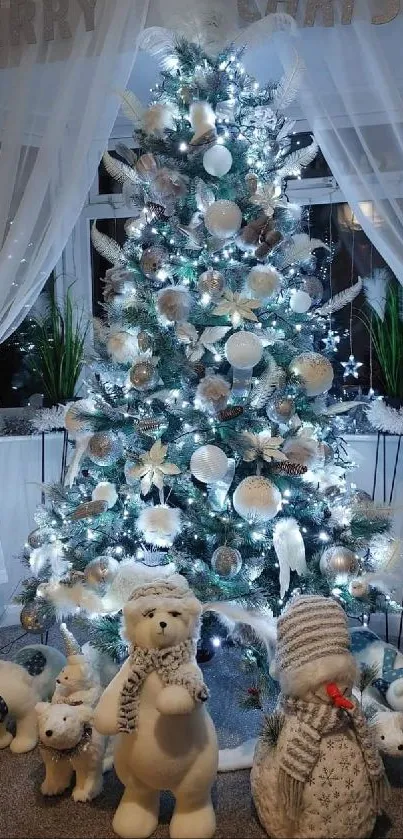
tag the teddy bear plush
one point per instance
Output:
(320, 776)
(156, 705)
(78, 683)
(69, 744)
(23, 683)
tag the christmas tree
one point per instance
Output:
(208, 442)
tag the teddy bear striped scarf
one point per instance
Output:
(302, 753)
(166, 664)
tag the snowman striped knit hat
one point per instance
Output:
(311, 627)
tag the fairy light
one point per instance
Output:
(216, 642)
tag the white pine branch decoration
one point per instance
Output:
(340, 300)
(384, 418)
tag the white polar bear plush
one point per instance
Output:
(69, 744)
(166, 739)
(23, 683)
(386, 725)
(370, 650)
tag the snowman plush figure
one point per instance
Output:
(323, 777)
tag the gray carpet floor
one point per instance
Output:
(26, 814)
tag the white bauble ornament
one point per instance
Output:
(257, 499)
(314, 371)
(105, 491)
(173, 303)
(202, 120)
(159, 525)
(208, 464)
(338, 563)
(158, 118)
(226, 561)
(243, 350)
(263, 281)
(122, 347)
(223, 219)
(217, 160)
(300, 302)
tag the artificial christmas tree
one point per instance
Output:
(207, 443)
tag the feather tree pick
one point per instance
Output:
(106, 246)
(267, 384)
(131, 106)
(375, 290)
(160, 43)
(340, 300)
(290, 551)
(297, 160)
(118, 170)
(289, 86)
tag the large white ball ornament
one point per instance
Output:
(263, 281)
(300, 302)
(314, 371)
(223, 219)
(105, 491)
(217, 161)
(243, 350)
(256, 499)
(208, 464)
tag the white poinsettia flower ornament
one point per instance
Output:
(237, 308)
(196, 345)
(152, 469)
(262, 445)
(268, 197)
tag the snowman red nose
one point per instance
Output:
(338, 698)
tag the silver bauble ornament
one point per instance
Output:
(338, 563)
(256, 499)
(208, 464)
(101, 570)
(143, 375)
(281, 409)
(174, 303)
(314, 371)
(36, 617)
(211, 282)
(223, 219)
(313, 287)
(152, 263)
(104, 448)
(226, 561)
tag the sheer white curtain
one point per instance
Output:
(58, 103)
(352, 98)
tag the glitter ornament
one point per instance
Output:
(208, 464)
(143, 374)
(256, 499)
(281, 409)
(314, 287)
(152, 263)
(101, 570)
(122, 347)
(174, 303)
(314, 371)
(212, 283)
(38, 537)
(36, 617)
(159, 525)
(89, 509)
(223, 219)
(263, 281)
(144, 341)
(300, 302)
(105, 491)
(217, 161)
(226, 561)
(338, 563)
(243, 350)
(104, 448)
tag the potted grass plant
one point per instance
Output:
(59, 348)
(384, 320)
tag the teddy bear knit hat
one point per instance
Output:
(163, 592)
(311, 627)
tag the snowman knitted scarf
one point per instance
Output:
(166, 664)
(302, 753)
